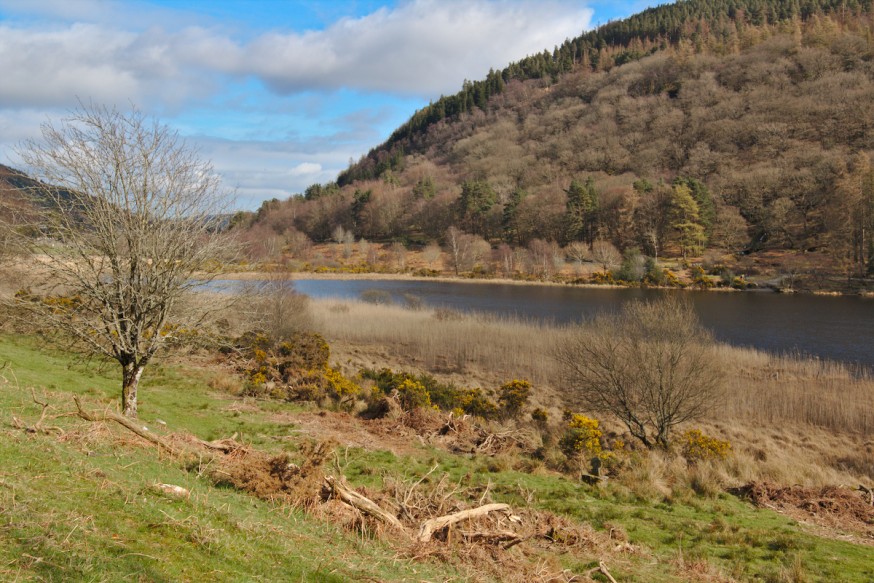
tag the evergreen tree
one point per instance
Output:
(582, 211)
(509, 224)
(476, 200)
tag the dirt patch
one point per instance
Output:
(834, 508)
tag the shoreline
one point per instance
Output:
(306, 275)
(374, 276)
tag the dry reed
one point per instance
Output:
(761, 389)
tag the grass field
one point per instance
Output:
(80, 505)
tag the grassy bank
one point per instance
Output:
(81, 503)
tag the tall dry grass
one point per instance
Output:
(761, 389)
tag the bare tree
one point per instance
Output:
(652, 367)
(606, 255)
(464, 250)
(274, 306)
(578, 252)
(138, 221)
(398, 253)
(431, 254)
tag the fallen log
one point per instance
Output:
(362, 503)
(126, 423)
(429, 527)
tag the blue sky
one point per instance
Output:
(279, 94)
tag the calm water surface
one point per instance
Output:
(835, 328)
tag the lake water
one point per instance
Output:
(828, 327)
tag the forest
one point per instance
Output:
(731, 127)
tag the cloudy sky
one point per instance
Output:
(279, 94)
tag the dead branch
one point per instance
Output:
(510, 538)
(223, 445)
(602, 568)
(429, 527)
(362, 503)
(36, 427)
(125, 422)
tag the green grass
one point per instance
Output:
(740, 540)
(82, 507)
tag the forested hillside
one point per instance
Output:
(737, 126)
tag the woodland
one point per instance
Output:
(706, 127)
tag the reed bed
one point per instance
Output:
(761, 388)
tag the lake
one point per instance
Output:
(830, 327)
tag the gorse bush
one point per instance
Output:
(413, 395)
(582, 437)
(414, 388)
(513, 396)
(293, 369)
(696, 445)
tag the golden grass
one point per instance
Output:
(761, 389)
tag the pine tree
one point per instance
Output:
(581, 223)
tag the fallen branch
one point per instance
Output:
(36, 427)
(125, 422)
(602, 568)
(510, 538)
(362, 503)
(223, 445)
(429, 527)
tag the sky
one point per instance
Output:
(278, 94)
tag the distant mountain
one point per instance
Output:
(15, 201)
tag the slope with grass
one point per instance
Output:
(79, 502)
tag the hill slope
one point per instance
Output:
(737, 126)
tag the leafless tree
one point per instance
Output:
(652, 367)
(398, 253)
(275, 307)
(137, 226)
(464, 250)
(606, 255)
(578, 252)
(431, 254)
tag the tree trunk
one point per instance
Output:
(131, 374)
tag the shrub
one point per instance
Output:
(413, 395)
(700, 278)
(339, 387)
(376, 296)
(699, 446)
(475, 402)
(582, 438)
(513, 396)
(540, 417)
(603, 278)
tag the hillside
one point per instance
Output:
(721, 128)
(83, 500)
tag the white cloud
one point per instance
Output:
(54, 53)
(424, 47)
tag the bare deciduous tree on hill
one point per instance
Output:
(652, 367)
(136, 228)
